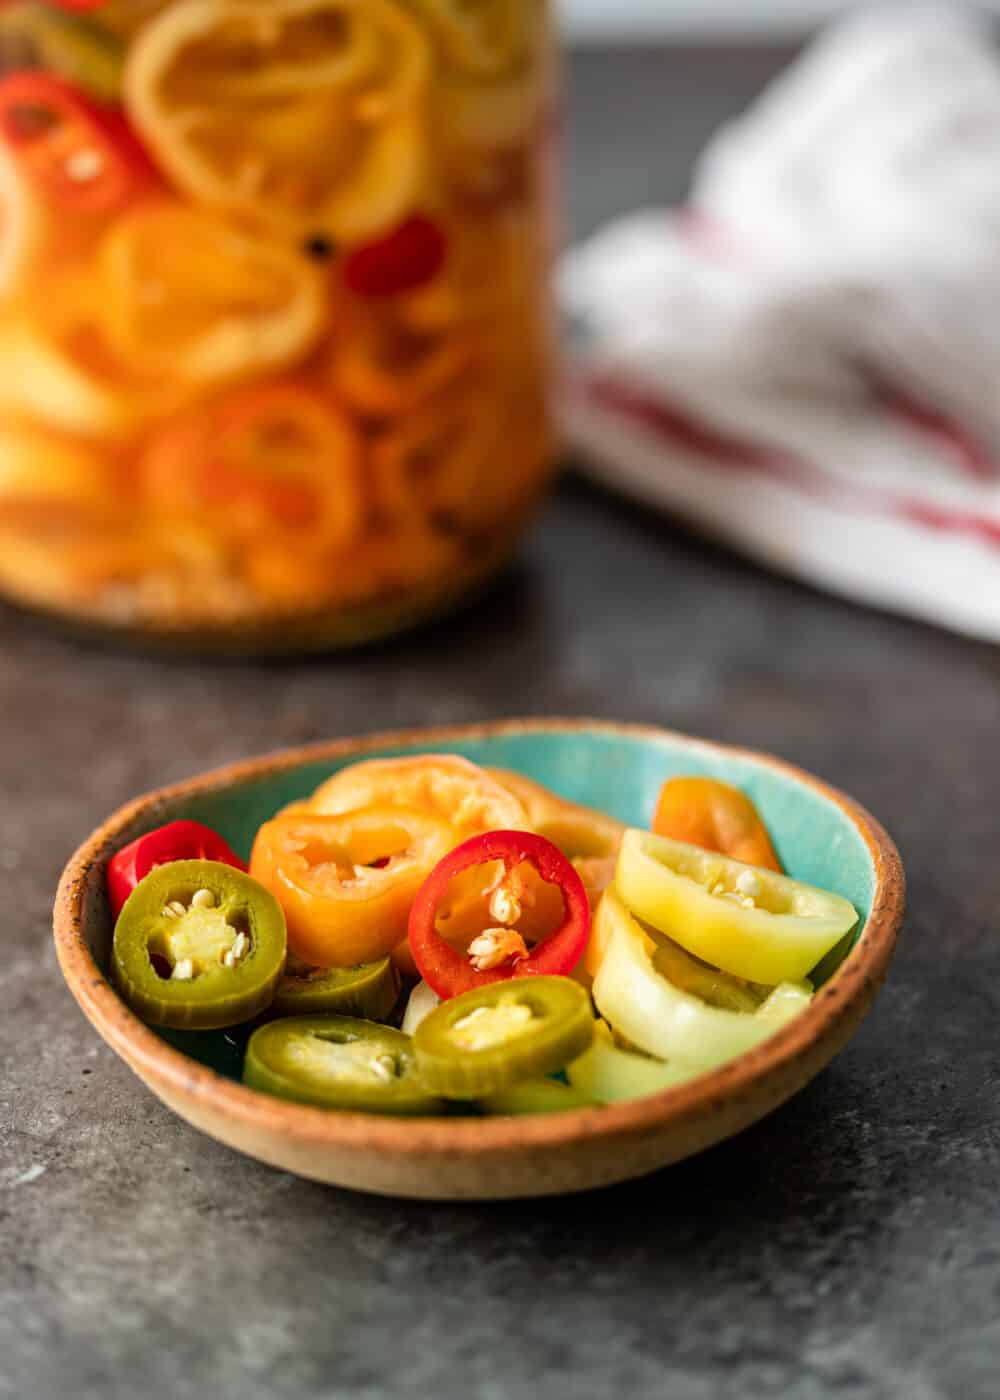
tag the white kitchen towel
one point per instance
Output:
(805, 361)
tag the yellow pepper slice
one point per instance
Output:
(664, 1021)
(185, 294)
(742, 918)
(346, 882)
(303, 114)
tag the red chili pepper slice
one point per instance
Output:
(180, 840)
(447, 971)
(406, 258)
(85, 156)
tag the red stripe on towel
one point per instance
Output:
(673, 424)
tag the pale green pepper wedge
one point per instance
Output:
(608, 1074)
(665, 1021)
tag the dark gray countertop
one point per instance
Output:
(848, 1246)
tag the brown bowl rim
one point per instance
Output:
(863, 968)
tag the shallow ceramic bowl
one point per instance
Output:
(821, 836)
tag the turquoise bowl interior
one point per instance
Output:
(619, 772)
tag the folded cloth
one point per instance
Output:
(805, 362)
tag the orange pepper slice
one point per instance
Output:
(346, 882)
(440, 785)
(274, 463)
(708, 813)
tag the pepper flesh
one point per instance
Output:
(608, 1074)
(744, 919)
(442, 785)
(662, 1019)
(180, 840)
(198, 945)
(491, 1038)
(712, 814)
(80, 154)
(407, 257)
(447, 970)
(346, 882)
(369, 990)
(337, 1062)
(446, 786)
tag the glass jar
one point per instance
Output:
(274, 334)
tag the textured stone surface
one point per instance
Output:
(849, 1246)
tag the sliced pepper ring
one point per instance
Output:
(588, 838)
(198, 945)
(253, 109)
(382, 369)
(451, 973)
(346, 881)
(186, 294)
(369, 990)
(487, 1039)
(742, 918)
(337, 1062)
(278, 466)
(438, 458)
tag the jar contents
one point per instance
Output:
(274, 336)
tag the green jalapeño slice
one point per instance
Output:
(369, 990)
(198, 946)
(484, 1041)
(337, 1062)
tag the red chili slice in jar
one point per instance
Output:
(84, 156)
(180, 840)
(499, 952)
(405, 259)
